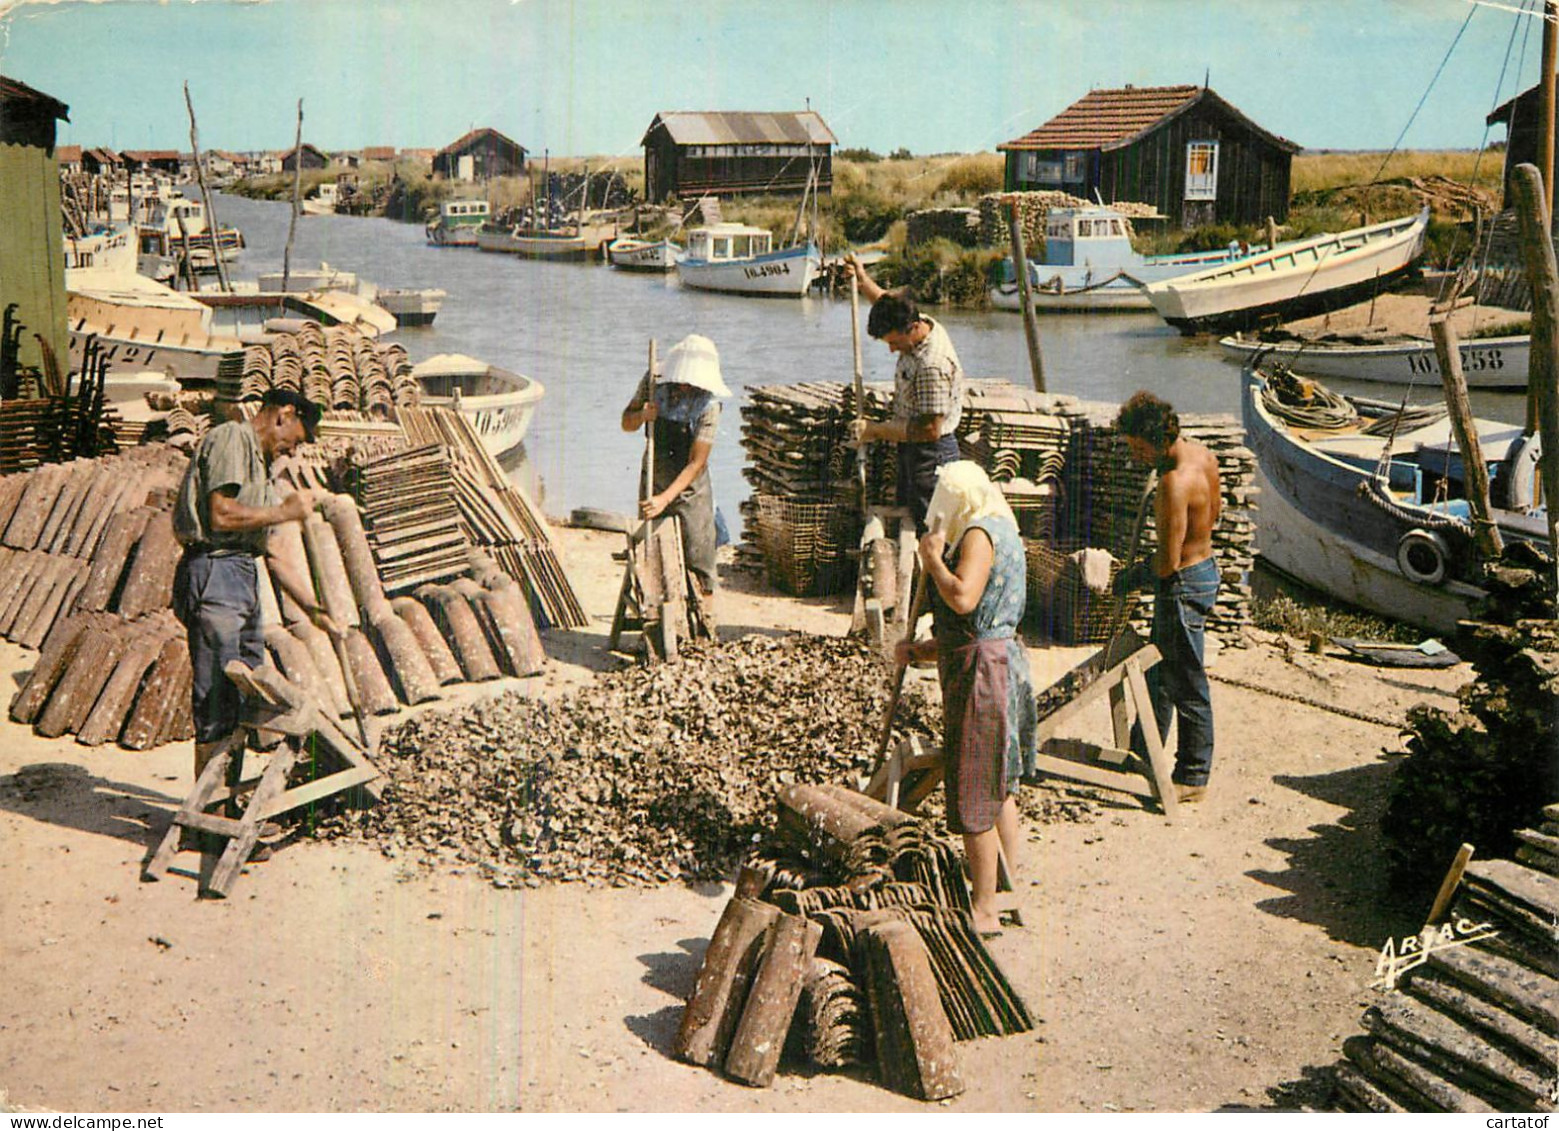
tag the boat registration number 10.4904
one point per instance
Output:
(1473, 361)
(763, 271)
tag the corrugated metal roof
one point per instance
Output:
(732, 127)
(13, 91)
(1110, 119)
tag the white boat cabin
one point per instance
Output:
(1074, 236)
(463, 211)
(722, 243)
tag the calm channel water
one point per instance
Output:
(583, 331)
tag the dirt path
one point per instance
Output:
(1209, 963)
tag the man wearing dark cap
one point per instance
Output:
(222, 517)
(928, 393)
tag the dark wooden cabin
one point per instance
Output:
(32, 252)
(152, 161)
(101, 160)
(491, 155)
(690, 153)
(1183, 149)
(312, 158)
(1522, 134)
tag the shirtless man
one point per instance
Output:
(1185, 578)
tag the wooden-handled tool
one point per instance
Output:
(860, 384)
(917, 608)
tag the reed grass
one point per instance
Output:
(1324, 170)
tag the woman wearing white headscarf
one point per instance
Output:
(686, 415)
(974, 559)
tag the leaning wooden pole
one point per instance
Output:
(1485, 535)
(1020, 264)
(1545, 102)
(213, 231)
(1537, 249)
(297, 193)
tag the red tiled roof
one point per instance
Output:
(67, 153)
(1110, 119)
(379, 153)
(144, 155)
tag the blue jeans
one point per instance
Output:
(1178, 683)
(217, 598)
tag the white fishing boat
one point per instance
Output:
(1487, 363)
(140, 324)
(1089, 265)
(177, 227)
(457, 223)
(739, 259)
(412, 307)
(1292, 280)
(643, 255)
(1373, 510)
(108, 247)
(498, 403)
(322, 202)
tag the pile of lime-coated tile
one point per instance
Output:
(848, 940)
(497, 516)
(1066, 473)
(1474, 1027)
(337, 367)
(87, 560)
(412, 516)
(43, 430)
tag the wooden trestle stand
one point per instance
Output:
(270, 705)
(659, 598)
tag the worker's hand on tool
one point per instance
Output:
(649, 412)
(652, 506)
(855, 265)
(1138, 575)
(932, 543)
(296, 506)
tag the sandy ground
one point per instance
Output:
(1214, 962)
(1404, 313)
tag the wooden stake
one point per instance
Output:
(205, 194)
(1020, 264)
(860, 385)
(1537, 247)
(1475, 472)
(297, 192)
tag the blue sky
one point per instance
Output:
(587, 76)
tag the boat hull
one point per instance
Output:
(780, 274)
(1125, 299)
(637, 255)
(451, 237)
(1292, 280)
(412, 308)
(1487, 363)
(1317, 525)
(499, 406)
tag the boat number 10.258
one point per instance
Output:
(763, 270)
(1473, 361)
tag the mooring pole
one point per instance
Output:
(205, 194)
(1537, 249)
(1485, 534)
(1020, 264)
(297, 191)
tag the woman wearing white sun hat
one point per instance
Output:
(686, 415)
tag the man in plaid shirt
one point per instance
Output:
(928, 393)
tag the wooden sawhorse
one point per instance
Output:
(271, 704)
(1118, 670)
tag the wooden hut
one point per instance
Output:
(32, 248)
(69, 158)
(480, 156)
(312, 157)
(1522, 134)
(1182, 149)
(725, 153)
(153, 161)
(101, 159)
